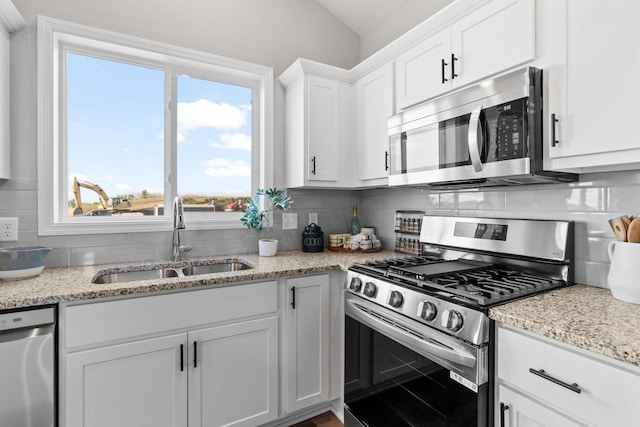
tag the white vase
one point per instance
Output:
(267, 247)
(624, 271)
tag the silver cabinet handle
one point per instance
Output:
(474, 139)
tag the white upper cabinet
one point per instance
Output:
(493, 38)
(498, 36)
(423, 71)
(374, 105)
(318, 146)
(591, 55)
(10, 21)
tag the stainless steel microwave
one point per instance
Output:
(487, 134)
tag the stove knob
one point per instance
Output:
(452, 320)
(395, 299)
(370, 289)
(429, 311)
(355, 284)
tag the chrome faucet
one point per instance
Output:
(178, 224)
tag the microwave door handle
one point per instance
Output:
(474, 139)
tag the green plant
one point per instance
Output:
(254, 217)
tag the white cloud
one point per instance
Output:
(225, 167)
(124, 187)
(234, 141)
(94, 179)
(204, 113)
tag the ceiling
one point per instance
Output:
(361, 15)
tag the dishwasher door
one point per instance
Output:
(27, 344)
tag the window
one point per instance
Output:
(126, 124)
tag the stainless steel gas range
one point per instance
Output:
(419, 345)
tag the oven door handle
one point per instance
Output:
(453, 353)
(474, 139)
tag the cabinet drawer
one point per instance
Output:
(607, 393)
(90, 324)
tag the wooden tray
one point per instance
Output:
(356, 251)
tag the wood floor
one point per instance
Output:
(328, 419)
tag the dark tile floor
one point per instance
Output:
(328, 419)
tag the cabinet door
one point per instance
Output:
(423, 71)
(594, 97)
(496, 37)
(323, 120)
(374, 107)
(307, 348)
(521, 411)
(234, 374)
(138, 384)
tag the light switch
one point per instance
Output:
(289, 221)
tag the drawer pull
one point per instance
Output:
(541, 373)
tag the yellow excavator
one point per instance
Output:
(109, 204)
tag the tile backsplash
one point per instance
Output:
(589, 203)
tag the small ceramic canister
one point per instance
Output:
(337, 240)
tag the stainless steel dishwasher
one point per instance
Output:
(27, 369)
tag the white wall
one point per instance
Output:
(272, 33)
(267, 32)
(397, 23)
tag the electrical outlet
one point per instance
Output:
(8, 229)
(289, 221)
(313, 218)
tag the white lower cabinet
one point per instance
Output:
(204, 358)
(541, 382)
(138, 384)
(306, 360)
(234, 374)
(518, 410)
(160, 365)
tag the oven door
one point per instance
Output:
(397, 374)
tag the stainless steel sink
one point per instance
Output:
(221, 267)
(161, 272)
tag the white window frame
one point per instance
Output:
(55, 39)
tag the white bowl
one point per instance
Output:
(22, 262)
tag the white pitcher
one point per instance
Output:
(624, 271)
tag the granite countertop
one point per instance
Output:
(587, 317)
(56, 285)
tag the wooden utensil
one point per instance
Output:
(619, 228)
(633, 232)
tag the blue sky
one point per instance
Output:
(116, 127)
